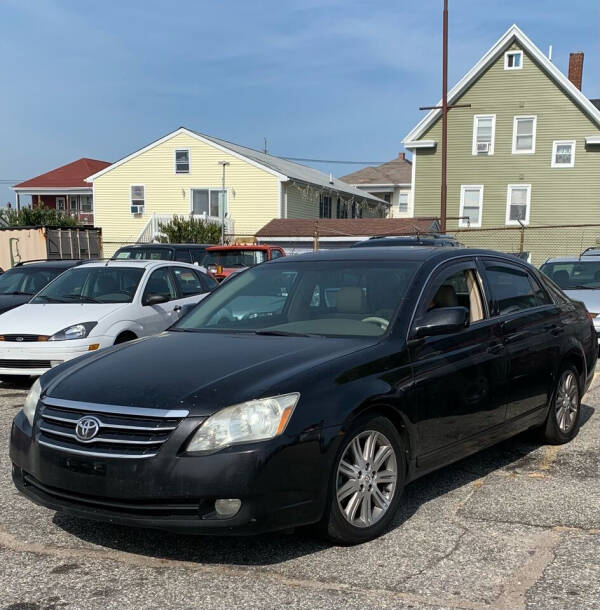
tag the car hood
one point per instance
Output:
(47, 319)
(202, 372)
(9, 301)
(590, 298)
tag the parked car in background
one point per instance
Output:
(223, 261)
(429, 240)
(579, 277)
(376, 366)
(94, 306)
(185, 253)
(594, 251)
(19, 284)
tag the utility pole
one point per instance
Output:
(266, 150)
(445, 107)
(223, 164)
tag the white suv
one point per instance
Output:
(96, 305)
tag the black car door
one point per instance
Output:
(459, 378)
(531, 331)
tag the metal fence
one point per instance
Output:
(535, 243)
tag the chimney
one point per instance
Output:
(576, 69)
(402, 156)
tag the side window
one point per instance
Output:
(182, 255)
(514, 289)
(208, 282)
(161, 283)
(457, 289)
(275, 254)
(188, 281)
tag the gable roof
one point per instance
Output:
(283, 169)
(346, 227)
(513, 34)
(71, 175)
(397, 171)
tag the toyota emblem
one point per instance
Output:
(87, 428)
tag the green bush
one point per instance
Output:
(40, 216)
(190, 230)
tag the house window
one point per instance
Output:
(86, 204)
(471, 203)
(209, 202)
(484, 134)
(60, 204)
(342, 209)
(524, 135)
(403, 203)
(182, 161)
(518, 202)
(513, 60)
(563, 153)
(73, 203)
(137, 194)
(325, 206)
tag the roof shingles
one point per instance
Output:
(71, 175)
(393, 172)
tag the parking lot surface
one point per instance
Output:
(515, 526)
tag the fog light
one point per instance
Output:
(227, 507)
(56, 362)
(93, 346)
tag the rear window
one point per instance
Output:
(235, 258)
(148, 253)
(575, 275)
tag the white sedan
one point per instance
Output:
(96, 305)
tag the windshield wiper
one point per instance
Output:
(582, 287)
(16, 292)
(82, 298)
(49, 299)
(282, 333)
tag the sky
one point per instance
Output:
(325, 79)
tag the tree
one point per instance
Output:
(189, 230)
(39, 216)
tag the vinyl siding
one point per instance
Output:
(558, 196)
(252, 192)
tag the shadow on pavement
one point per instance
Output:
(275, 548)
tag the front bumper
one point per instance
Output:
(282, 483)
(35, 358)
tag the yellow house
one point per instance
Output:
(183, 173)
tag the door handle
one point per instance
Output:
(177, 308)
(496, 348)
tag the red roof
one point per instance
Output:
(71, 175)
(352, 227)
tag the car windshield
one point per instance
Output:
(92, 285)
(341, 298)
(148, 253)
(235, 258)
(575, 275)
(23, 280)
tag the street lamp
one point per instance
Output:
(223, 164)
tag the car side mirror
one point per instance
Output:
(441, 321)
(155, 299)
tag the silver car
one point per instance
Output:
(579, 277)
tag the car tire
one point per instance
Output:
(564, 415)
(361, 505)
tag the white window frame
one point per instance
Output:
(555, 145)
(210, 189)
(189, 170)
(516, 120)
(131, 199)
(64, 204)
(509, 189)
(513, 52)
(462, 222)
(475, 125)
(400, 210)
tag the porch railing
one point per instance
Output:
(151, 231)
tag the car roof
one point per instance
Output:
(164, 246)
(572, 259)
(409, 253)
(242, 247)
(141, 263)
(52, 264)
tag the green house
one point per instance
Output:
(525, 153)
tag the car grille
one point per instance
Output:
(124, 432)
(23, 338)
(25, 364)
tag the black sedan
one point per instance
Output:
(307, 390)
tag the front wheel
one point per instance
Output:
(367, 482)
(564, 414)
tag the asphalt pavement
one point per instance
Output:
(515, 526)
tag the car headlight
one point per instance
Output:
(255, 420)
(31, 401)
(77, 331)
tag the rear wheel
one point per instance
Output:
(564, 414)
(367, 482)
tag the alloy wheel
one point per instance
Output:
(367, 478)
(567, 401)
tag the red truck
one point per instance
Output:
(223, 261)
